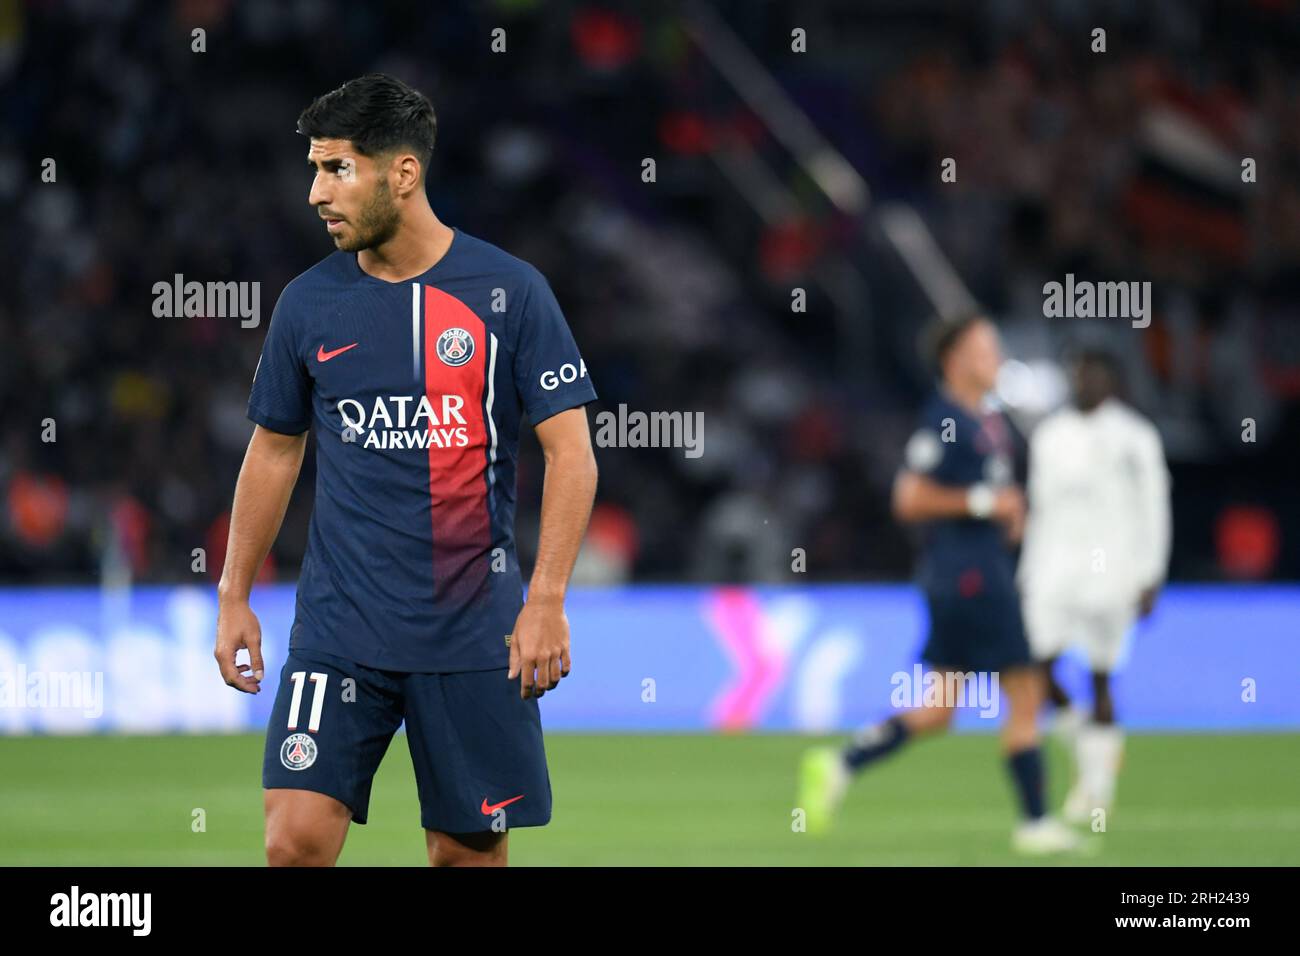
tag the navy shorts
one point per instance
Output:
(983, 632)
(475, 744)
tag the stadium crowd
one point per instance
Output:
(170, 161)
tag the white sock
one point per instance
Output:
(1100, 747)
(1066, 722)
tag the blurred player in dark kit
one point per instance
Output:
(957, 481)
(414, 351)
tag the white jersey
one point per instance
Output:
(1098, 528)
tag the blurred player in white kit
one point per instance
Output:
(1095, 555)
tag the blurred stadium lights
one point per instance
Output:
(847, 191)
(1030, 390)
(778, 207)
(771, 199)
(929, 266)
(765, 96)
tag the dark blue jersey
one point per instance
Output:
(416, 390)
(964, 556)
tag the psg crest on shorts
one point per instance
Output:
(455, 347)
(298, 752)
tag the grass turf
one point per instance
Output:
(658, 800)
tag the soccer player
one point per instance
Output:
(958, 482)
(1096, 551)
(413, 351)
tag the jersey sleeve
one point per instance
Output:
(931, 452)
(281, 395)
(1153, 482)
(550, 374)
(1037, 492)
(924, 452)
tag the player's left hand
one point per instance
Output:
(1147, 602)
(539, 647)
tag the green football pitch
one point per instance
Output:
(657, 800)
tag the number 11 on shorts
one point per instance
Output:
(317, 699)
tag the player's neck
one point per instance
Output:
(418, 245)
(968, 397)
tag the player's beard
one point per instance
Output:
(376, 224)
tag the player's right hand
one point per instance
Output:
(1147, 601)
(238, 629)
(539, 648)
(1009, 511)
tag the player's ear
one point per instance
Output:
(407, 173)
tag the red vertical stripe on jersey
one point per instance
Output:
(457, 483)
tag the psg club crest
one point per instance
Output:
(455, 347)
(298, 752)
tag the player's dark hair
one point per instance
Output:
(1093, 355)
(1103, 358)
(946, 335)
(378, 113)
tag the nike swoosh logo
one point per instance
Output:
(489, 809)
(323, 356)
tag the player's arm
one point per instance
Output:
(1155, 538)
(266, 480)
(919, 498)
(539, 648)
(924, 489)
